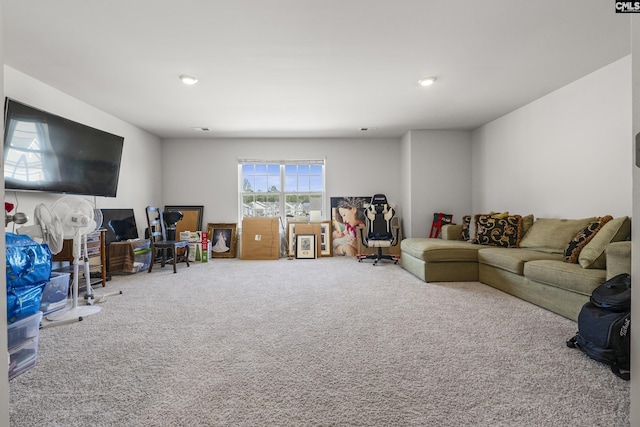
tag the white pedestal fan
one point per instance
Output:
(77, 219)
(47, 227)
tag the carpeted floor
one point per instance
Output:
(326, 342)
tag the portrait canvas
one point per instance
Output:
(346, 216)
(223, 240)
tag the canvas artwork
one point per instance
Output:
(346, 216)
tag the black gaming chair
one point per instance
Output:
(378, 231)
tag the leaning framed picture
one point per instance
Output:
(326, 249)
(223, 239)
(306, 246)
(291, 239)
(191, 217)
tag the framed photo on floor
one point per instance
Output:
(326, 248)
(291, 239)
(223, 239)
(306, 246)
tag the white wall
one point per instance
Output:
(406, 185)
(139, 184)
(564, 155)
(439, 164)
(209, 176)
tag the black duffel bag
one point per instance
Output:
(604, 325)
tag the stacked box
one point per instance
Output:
(55, 292)
(205, 246)
(22, 338)
(260, 238)
(195, 244)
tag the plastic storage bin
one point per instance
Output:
(22, 337)
(55, 293)
(142, 255)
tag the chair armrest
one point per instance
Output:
(360, 239)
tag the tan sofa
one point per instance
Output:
(536, 271)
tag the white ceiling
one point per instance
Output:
(310, 68)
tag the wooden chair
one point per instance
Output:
(159, 242)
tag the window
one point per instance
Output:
(281, 188)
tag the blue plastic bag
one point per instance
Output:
(23, 302)
(28, 262)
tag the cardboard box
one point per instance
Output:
(260, 238)
(205, 246)
(195, 244)
(191, 236)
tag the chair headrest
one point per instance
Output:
(379, 199)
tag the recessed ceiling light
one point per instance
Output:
(188, 80)
(427, 81)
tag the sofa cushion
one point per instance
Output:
(583, 237)
(438, 250)
(593, 254)
(618, 258)
(511, 259)
(564, 275)
(498, 230)
(552, 235)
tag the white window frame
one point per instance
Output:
(282, 194)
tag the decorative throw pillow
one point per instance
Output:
(552, 235)
(495, 231)
(583, 237)
(593, 254)
(500, 214)
(466, 224)
(527, 222)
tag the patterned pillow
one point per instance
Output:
(584, 236)
(466, 224)
(504, 231)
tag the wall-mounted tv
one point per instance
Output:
(46, 152)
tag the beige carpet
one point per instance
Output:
(327, 342)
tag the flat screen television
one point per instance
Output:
(46, 152)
